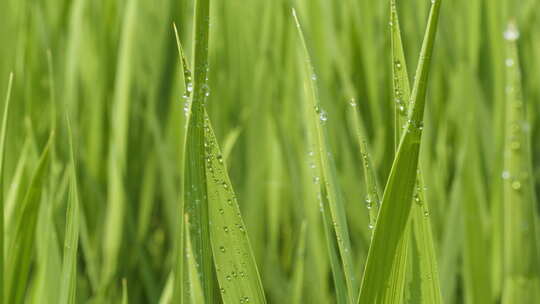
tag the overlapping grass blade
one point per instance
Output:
(400, 187)
(71, 238)
(195, 187)
(177, 290)
(521, 260)
(237, 272)
(3, 133)
(21, 247)
(424, 259)
(337, 233)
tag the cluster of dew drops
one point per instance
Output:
(512, 34)
(187, 97)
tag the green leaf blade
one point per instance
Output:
(237, 272)
(398, 194)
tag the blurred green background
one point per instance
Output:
(114, 67)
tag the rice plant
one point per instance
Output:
(286, 151)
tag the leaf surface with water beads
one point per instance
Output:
(195, 187)
(237, 272)
(521, 269)
(397, 198)
(332, 203)
(425, 278)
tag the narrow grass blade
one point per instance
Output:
(117, 162)
(195, 184)
(166, 294)
(426, 277)
(177, 290)
(298, 275)
(398, 194)
(400, 76)
(3, 133)
(476, 266)
(372, 189)
(330, 197)
(21, 246)
(237, 272)
(71, 238)
(195, 289)
(124, 292)
(521, 260)
(188, 81)
(425, 257)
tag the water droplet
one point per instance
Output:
(313, 76)
(505, 174)
(398, 64)
(222, 290)
(229, 202)
(515, 145)
(221, 211)
(426, 213)
(516, 185)
(353, 102)
(220, 159)
(370, 226)
(316, 180)
(226, 229)
(509, 62)
(225, 185)
(222, 249)
(323, 116)
(511, 33)
(228, 277)
(189, 87)
(368, 203)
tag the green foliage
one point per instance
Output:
(352, 184)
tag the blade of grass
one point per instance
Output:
(177, 290)
(424, 259)
(298, 275)
(71, 238)
(3, 133)
(398, 194)
(330, 197)
(195, 289)
(401, 96)
(475, 237)
(237, 271)
(22, 244)
(195, 184)
(372, 189)
(124, 292)
(521, 260)
(117, 162)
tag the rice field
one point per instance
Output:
(284, 151)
